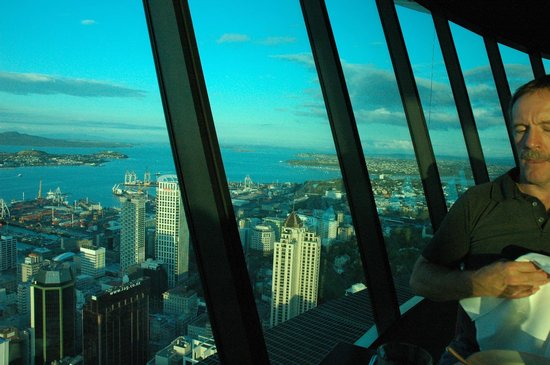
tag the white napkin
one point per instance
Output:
(515, 324)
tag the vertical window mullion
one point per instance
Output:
(352, 161)
(462, 101)
(416, 120)
(536, 64)
(212, 225)
(502, 85)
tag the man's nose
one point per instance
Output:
(531, 138)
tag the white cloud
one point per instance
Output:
(31, 83)
(390, 146)
(233, 38)
(87, 22)
(301, 58)
(273, 41)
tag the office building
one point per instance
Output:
(328, 227)
(8, 252)
(158, 280)
(116, 325)
(30, 267)
(16, 344)
(262, 238)
(132, 229)
(53, 313)
(27, 269)
(92, 261)
(180, 301)
(172, 239)
(296, 260)
(4, 351)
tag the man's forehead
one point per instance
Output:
(534, 102)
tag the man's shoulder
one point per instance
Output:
(481, 191)
(498, 190)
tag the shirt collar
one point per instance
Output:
(505, 186)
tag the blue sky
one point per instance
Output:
(84, 69)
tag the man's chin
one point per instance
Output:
(535, 174)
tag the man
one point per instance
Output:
(473, 252)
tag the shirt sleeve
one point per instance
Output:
(451, 242)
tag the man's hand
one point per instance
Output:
(510, 279)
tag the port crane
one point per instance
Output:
(131, 183)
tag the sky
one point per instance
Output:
(84, 70)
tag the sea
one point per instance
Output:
(262, 164)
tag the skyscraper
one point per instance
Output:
(116, 325)
(8, 252)
(172, 234)
(296, 261)
(132, 230)
(92, 260)
(53, 313)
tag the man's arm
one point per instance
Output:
(505, 279)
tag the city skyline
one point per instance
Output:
(87, 71)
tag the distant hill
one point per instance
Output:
(21, 139)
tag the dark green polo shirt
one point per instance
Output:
(487, 219)
(488, 222)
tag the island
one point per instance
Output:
(22, 139)
(27, 158)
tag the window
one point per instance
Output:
(278, 153)
(85, 72)
(517, 66)
(383, 131)
(437, 101)
(484, 99)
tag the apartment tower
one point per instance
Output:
(295, 282)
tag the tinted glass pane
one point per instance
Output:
(484, 99)
(86, 174)
(383, 131)
(437, 100)
(282, 171)
(517, 66)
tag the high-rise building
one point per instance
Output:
(295, 281)
(15, 344)
(262, 238)
(328, 227)
(4, 351)
(30, 267)
(132, 230)
(92, 260)
(53, 313)
(33, 262)
(116, 325)
(172, 235)
(8, 252)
